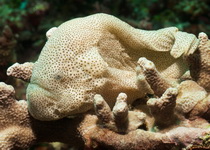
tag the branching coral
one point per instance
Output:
(163, 107)
(19, 130)
(119, 119)
(157, 83)
(79, 73)
(200, 63)
(21, 71)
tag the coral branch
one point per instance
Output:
(199, 62)
(18, 130)
(153, 77)
(101, 138)
(21, 71)
(120, 112)
(163, 107)
(141, 82)
(119, 119)
(102, 110)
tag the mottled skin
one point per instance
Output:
(98, 54)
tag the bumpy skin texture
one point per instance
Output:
(93, 55)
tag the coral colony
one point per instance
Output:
(101, 83)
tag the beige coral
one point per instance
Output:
(14, 120)
(192, 99)
(163, 107)
(199, 62)
(94, 55)
(18, 130)
(155, 80)
(119, 119)
(21, 71)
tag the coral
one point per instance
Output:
(199, 62)
(156, 82)
(94, 55)
(119, 119)
(7, 54)
(19, 130)
(21, 71)
(192, 99)
(163, 107)
(13, 120)
(140, 139)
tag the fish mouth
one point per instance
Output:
(42, 104)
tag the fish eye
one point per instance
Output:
(58, 77)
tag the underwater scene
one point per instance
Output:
(104, 75)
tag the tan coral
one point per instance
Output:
(157, 82)
(21, 71)
(14, 120)
(119, 119)
(18, 130)
(163, 107)
(94, 55)
(199, 62)
(192, 99)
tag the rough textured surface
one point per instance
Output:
(119, 119)
(190, 97)
(21, 71)
(163, 107)
(18, 130)
(13, 120)
(156, 82)
(200, 62)
(94, 55)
